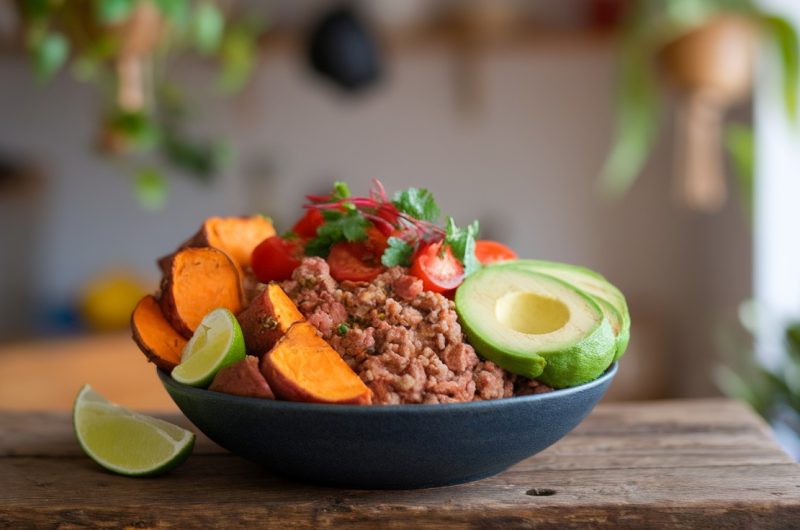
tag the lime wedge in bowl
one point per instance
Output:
(124, 441)
(216, 343)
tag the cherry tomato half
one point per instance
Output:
(307, 226)
(275, 258)
(439, 271)
(358, 261)
(490, 251)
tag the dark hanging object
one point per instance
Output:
(342, 50)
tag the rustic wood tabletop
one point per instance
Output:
(690, 463)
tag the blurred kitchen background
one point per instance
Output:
(617, 134)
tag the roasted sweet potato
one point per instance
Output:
(199, 280)
(235, 236)
(303, 367)
(242, 378)
(155, 336)
(267, 318)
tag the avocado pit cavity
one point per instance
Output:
(531, 313)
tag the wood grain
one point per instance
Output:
(682, 464)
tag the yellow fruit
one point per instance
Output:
(107, 301)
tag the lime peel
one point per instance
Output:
(125, 442)
(217, 342)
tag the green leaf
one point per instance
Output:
(137, 127)
(208, 27)
(36, 9)
(462, 242)
(338, 226)
(785, 37)
(793, 340)
(49, 54)
(736, 387)
(340, 191)
(238, 54)
(113, 11)
(636, 121)
(151, 189)
(739, 143)
(398, 252)
(418, 203)
(176, 11)
(202, 159)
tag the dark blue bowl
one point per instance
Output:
(392, 446)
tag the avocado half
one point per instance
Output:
(535, 325)
(611, 300)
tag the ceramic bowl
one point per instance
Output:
(391, 446)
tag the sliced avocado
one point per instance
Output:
(593, 283)
(535, 325)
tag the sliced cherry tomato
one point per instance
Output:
(439, 271)
(358, 261)
(490, 251)
(307, 226)
(275, 258)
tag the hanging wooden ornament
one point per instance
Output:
(712, 67)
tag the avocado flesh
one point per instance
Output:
(535, 325)
(594, 284)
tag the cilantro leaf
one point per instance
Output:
(397, 253)
(338, 226)
(462, 242)
(418, 203)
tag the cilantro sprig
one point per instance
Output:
(418, 203)
(398, 252)
(462, 243)
(411, 218)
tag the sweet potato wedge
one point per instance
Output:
(267, 318)
(157, 339)
(235, 236)
(242, 378)
(199, 280)
(303, 367)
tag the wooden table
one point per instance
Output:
(692, 464)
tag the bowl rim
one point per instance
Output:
(415, 408)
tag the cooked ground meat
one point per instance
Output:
(405, 343)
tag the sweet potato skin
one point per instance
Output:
(199, 280)
(154, 335)
(242, 378)
(302, 366)
(267, 318)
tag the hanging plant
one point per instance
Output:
(705, 50)
(127, 49)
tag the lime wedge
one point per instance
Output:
(216, 343)
(125, 442)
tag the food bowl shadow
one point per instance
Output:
(391, 446)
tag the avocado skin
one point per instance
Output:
(583, 362)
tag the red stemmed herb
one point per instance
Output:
(408, 220)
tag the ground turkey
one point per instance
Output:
(404, 343)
